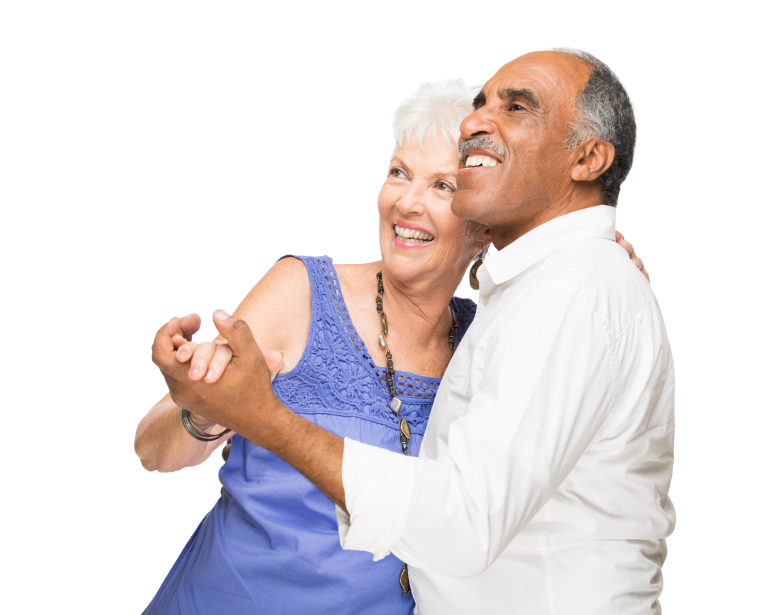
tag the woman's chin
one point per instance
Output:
(410, 266)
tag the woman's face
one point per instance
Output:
(419, 235)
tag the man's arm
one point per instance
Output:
(545, 392)
(546, 389)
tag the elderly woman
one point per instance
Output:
(364, 348)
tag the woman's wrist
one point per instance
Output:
(204, 424)
(198, 433)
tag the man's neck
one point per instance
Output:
(504, 234)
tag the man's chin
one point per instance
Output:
(464, 203)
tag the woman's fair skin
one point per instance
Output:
(419, 281)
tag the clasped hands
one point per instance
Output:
(227, 383)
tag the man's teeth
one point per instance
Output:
(412, 236)
(476, 161)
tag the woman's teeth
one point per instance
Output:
(476, 161)
(411, 236)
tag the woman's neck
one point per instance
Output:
(420, 307)
(419, 318)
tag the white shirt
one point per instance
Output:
(542, 481)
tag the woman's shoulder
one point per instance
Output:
(286, 282)
(357, 271)
(278, 309)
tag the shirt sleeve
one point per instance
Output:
(545, 389)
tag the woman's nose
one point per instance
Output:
(411, 202)
(477, 124)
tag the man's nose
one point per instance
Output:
(477, 124)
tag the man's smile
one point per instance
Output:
(478, 155)
(478, 160)
(481, 161)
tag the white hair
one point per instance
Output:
(435, 110)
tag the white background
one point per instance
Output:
(157, 157)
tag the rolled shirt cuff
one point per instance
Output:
(378, 487)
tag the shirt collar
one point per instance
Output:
(591, 223)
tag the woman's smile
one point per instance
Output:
(408, 235)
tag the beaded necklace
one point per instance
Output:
(395, 402)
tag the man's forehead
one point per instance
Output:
(546, 73)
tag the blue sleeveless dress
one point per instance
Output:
(271, 543)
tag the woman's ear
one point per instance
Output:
(484, 236)
(593, 158)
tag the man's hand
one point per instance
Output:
(242, 400)
(243, 394)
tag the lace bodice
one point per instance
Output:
(336, 374)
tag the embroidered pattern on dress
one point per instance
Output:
(336, 374)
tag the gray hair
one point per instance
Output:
(604, 112)
(483, 142)
(435, 110)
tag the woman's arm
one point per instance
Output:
(278, 310)
(162, 443)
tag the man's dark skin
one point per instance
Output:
(526, 108)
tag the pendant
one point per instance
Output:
(404, 435)
(404, 581)
(395, 405)
(473, 281)
(404, 427)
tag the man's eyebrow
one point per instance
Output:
(479, 100)
(524, 93)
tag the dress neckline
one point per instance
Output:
(410, 387)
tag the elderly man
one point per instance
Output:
(542, 481)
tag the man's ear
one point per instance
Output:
(592, 159)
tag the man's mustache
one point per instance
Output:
(480, 142)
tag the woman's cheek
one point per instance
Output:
(388, 197)
(382, 200)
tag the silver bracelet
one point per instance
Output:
(198, 433)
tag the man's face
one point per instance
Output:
(525, 110)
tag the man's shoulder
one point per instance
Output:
(601, 272)
(600, 263)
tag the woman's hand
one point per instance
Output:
(631, 251)
(208, 360)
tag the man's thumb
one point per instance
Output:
(235, 331)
